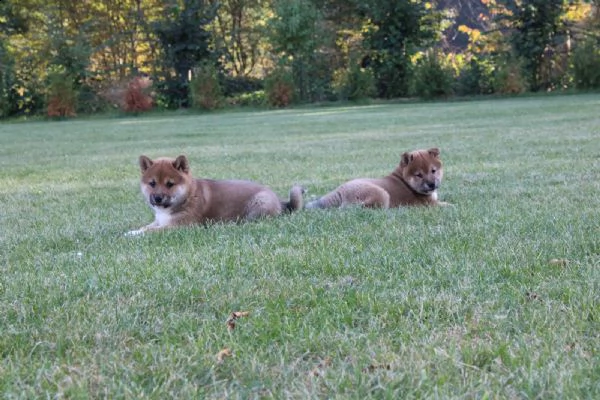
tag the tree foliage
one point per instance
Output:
(396, 30)
(328, 48)
(238, 34)
(185, 42)
(536, 23)
(296, 36)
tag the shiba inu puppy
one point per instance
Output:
(179, 199)
(414, 182)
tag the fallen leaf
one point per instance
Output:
(233, 317)
(238, 314)
(570, 346)
(226, 352)
(532, 296)
(319, 369)
(230, 324)
(374, 367)
(560, 262)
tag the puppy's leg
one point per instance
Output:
(374, 197)
(151, 227)
(365, 194)
(263, 204)
(330, 200)
(357, 192)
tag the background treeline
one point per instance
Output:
(63, 57)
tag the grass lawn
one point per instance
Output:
(497, 296)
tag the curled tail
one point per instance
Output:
(296, 201)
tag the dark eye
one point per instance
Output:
(419, 175)
(169, 184)
(152, 183)
(433, 171)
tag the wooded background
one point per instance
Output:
(64, 57)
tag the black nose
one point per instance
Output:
(431, 185)
(157, 198)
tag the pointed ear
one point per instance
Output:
(405, 159)
(434, 152)
(145, 163)
(181, 164)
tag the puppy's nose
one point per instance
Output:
(431, 185)
(157, 198)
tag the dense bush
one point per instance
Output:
(392, 77)
(89, 100)
(171, 94)
(279, 88)
(18, 97)
(537, 24)
(586, 65)
(253, 99)
(431, 77)
(205, 89)
(236, 85)
(509, 77)
(296, 32)
(61, 95)
(6, 84)
(354, 83)
(244, 91)
(475, 78)
(137, 96)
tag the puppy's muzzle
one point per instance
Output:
(428, 187)
(159, 200)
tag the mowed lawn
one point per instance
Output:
(497, 296)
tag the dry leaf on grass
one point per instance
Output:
(226, 352)
(532, 296)
(570, 346)
(559, 262)
(319, 369)
(233, 317)
(374, 367)
(238, 314)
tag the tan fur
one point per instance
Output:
(179, 199)
(414, 182)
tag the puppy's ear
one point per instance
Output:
(434, 152)
(405, 159)
(145, 163)
(181, 164)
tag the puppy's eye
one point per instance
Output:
(433, 171)
(152, 183)
(169, 184)
(419, 175)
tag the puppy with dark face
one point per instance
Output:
(179, 199)
(414, 182)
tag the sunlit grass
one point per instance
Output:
(497, 296)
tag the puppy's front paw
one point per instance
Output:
(137, 232)
(312, 204)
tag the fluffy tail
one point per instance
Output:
(296, 201)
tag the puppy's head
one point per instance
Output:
(422, 170)
(165, 182)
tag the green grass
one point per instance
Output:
(456, 302)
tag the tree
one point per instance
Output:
(238, 33)
(185, 42)
(536, 23)
(296, 35)
(19, 64)
(396, 30)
